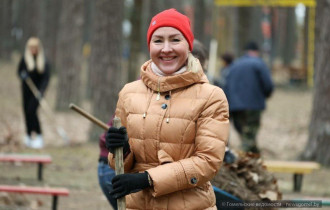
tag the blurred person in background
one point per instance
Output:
(175, 125)
(248, 85)
(200, 52)
(33, 67)
(226, 60)
(104, 171)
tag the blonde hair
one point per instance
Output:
(193, 63)
(28, 57)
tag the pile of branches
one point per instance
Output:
(248, 179)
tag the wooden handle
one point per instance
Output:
(119, 163)
(119, 158)
(118, 151)
(89, 116)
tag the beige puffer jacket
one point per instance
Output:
(177, 128)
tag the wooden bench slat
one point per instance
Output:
(35, 190)
(25, 158)
(299, 167)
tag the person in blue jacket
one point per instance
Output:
(248, 85)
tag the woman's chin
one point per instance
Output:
(168, 70)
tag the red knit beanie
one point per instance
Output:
(171, 18)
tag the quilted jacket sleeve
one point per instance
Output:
(120, 112)
(211, 137)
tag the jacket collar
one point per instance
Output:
(168, 83)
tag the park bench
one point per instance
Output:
(27, 158)
(55, 192)
(298, 168)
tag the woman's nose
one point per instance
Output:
(167, 47)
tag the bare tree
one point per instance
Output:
(106, 59)
(249, 22)
(5, 28)
(199, 20)
(275, 25)
(69, 54)
(318, 145)
(135, 40)
(31, 19)
(50, 13)
(290, 39)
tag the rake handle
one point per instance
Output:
(89, 116)
(119, 158)
(119, 163)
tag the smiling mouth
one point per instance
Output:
(167, 58)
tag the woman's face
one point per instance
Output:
(33, 50)
(168, 49)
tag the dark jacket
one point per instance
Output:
(248, 84)
(41, 80)
(221, 82)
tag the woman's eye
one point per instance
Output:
(157, 41)
(176, 40)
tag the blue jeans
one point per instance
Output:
(105, 174)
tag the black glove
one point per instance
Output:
(116, 137)
(23, 75)
(125, 184)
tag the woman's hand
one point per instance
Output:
(23, 75)
(117, 137)
(125, 184)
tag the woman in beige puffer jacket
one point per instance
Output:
(177, 125)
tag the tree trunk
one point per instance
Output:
(157, 6)
(290, 42)
(106, 60)
(88, 16)
(250, 26)
(31, 19)
(17, 25)
(6, 41)
(199, 20)
(88, 31)
(318, 145)
(51, 13)
(255, 32)
(284, 34)
(305, 38)
(135, 42)
(69, 56)
(276, 26)
(149, 9)
(235, 30)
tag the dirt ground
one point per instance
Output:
(283, 136)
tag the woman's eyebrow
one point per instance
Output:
(161, 36)
(175, 35)
(157, 36)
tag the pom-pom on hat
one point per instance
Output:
(171, 18)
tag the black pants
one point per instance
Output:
(30, 105)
